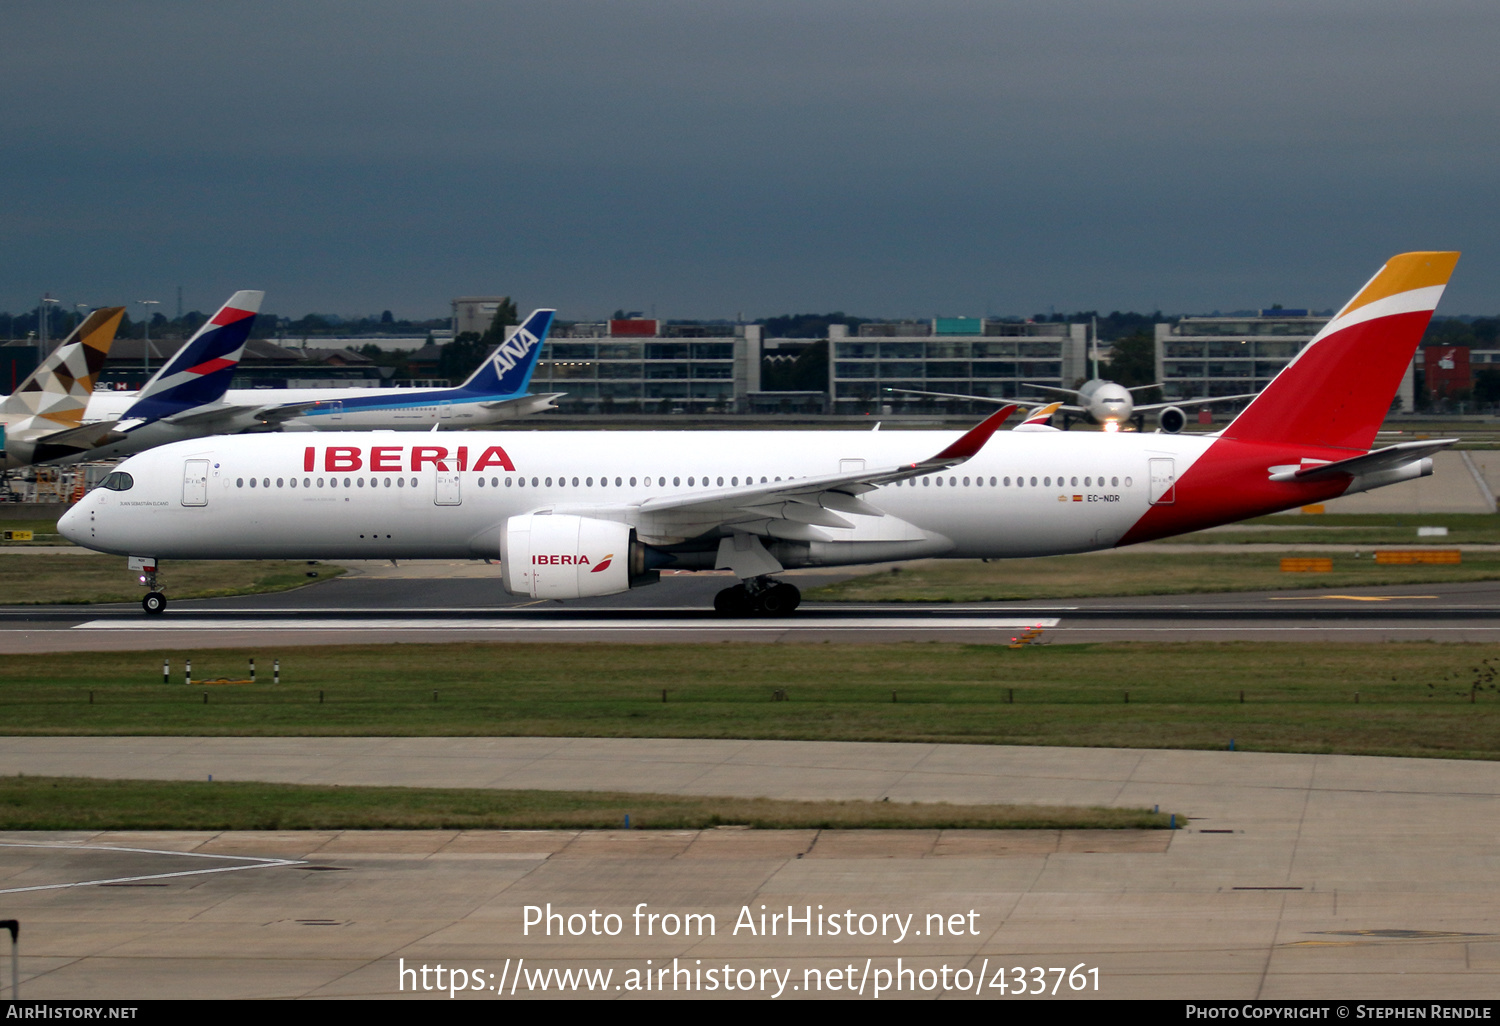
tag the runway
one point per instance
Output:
(425, 609)
(1299, 876)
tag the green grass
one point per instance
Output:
(76, 803)
(68, 578)
(1385, 529)
(44, 532)
(1136, 571)
(1414, 698)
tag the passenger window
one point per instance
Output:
(533, 482)
(589, 482)
(507, 482)
(239, 482)
(632, 482)
(1116, 481)
(252, 482)
(575, 482)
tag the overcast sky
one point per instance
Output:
(707, 159)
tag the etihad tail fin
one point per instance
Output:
(1337, 390)
(199, 373)
(60, 387)
(507, 371)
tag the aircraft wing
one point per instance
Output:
(1389, 458)
(1195, 402)
(72, 441)
(797, 506)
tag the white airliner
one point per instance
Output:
(1108, 403)
(189, 397)
(579, 514)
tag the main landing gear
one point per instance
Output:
(758, 596)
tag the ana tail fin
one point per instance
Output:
(200, 372)
(60, 387)
(1337, 391)
(507, 371)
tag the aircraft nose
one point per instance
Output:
(74, 524)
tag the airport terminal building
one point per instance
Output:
(645, 366)
(1202, 357)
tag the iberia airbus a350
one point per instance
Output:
(579, 514)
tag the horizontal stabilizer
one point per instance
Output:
(1389, 458)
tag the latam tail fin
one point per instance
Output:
(60, 387)
(200, 372)
(1337, 391)
(507, 371)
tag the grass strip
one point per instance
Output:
(27, 580)
(1391, 698)
(1138, 571)
(80, 803)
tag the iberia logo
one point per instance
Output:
(603, 564)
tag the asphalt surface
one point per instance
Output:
(438, 601)
(1297, 876)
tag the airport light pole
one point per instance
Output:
(46, 316)
(146, 348)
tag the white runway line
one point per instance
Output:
(624, 626)
(254, 863)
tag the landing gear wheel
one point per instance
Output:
(733, 601)
(779, 600)
(154, 602)
(762, 597)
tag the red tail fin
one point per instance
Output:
(1337, 391)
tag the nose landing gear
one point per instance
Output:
(758, 596)
(155, 601)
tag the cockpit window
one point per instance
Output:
(119, 481)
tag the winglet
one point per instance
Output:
(973, 439)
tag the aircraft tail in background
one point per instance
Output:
(507, 371)
(199, 373)
(59, 389)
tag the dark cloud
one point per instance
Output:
(712, 158)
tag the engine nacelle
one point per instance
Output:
(559, 556)
(1171, 420)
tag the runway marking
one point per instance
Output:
(570, 625)
(255, 863)
(1346, 598)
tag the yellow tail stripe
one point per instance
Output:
(1403, 274)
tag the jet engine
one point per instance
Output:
(1171, 420)
(559, 556)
